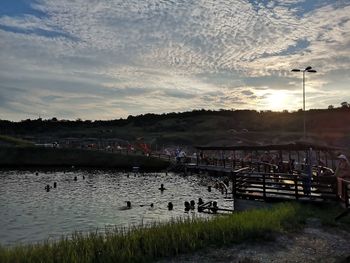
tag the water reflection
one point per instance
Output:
(96, 199)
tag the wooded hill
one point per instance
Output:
(198, 127)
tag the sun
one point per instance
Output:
(277, 100)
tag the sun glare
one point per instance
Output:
(277, 100)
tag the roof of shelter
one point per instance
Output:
(294, 146)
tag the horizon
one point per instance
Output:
(334, 107)
(106, 60)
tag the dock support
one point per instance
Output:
(264, 186)
(296, 187)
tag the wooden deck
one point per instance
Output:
(247, 183)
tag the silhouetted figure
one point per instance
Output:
(170, 206)
(83, 177)
(192, 203)
(47, 188)
(187, 206)
(215, 207)
(227, 182)
(151, 205)
(209, 188)
(128, 204)
(54, 185)
(162, 187)
(36, 173)
(200, 201)
(75, 178)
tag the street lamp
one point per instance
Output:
(307, 69)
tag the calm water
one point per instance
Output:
(30, 214)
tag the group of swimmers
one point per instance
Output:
(212, 206)
(48, 187)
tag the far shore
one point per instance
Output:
(34, 157)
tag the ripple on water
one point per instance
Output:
(30, 214)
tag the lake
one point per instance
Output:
(95, 201)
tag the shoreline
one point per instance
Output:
(38, 157)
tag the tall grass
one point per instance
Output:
(159, 240)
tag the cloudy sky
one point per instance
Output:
(106, 59)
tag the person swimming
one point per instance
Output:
(170, 206)
(162, 188)
(187, 206)
(47, 188)
(215, 207)
(192, 204)
(200, 201)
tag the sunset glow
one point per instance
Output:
(111, 59)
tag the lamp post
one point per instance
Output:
(307, 69)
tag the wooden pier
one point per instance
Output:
(253, 179)
(248, 184)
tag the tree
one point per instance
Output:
(344, 104)
(330, 107)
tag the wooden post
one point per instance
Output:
(234, 160)
(251, 159)
(264, 186)
(296, 186)
(233, 185)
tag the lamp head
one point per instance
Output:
(296, 70)
(308, 68)
(312, 71)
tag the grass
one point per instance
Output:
(15, 141)
(159, 240)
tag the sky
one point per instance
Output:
(107, 59)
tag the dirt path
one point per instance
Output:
(313, 244)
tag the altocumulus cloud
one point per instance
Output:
(107, 59)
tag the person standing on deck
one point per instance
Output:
(342, 173)
(266, 160)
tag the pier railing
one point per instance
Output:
(254, 185)
(344, 191)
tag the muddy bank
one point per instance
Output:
(312, 244)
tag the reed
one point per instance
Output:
(146, 244)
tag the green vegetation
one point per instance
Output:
(146, 244)
(39, 156)
(159, 240)
(14, 141)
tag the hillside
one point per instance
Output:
(199, 127)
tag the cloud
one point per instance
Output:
(127, 57)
